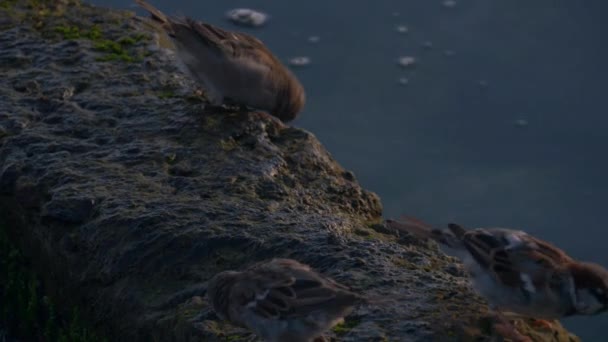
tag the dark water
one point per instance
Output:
(444, 148)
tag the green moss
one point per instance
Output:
(368, 233)
(343, 328)
(112, 49)
(132, 40)
(24, 309)
(171, 159)
(166, 94)
(75, 32)
(7, 4)
(228, 144)
(35, 4)
(94, 33)
(116, 57)
(211, 122)
(400, 262)
(110, 46)
(126, 41)
(115, 51)
(68, 32)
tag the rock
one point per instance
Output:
(129, 195)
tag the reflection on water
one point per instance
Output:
(501, 121)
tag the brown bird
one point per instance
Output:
(281, 300)
(233, 67)
(519, 273)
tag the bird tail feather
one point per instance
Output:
(416, 227)
(413, 226)
(154, 12)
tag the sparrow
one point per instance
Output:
(281, 300)
(519, 273)
(234, 68)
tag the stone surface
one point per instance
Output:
(128, 195)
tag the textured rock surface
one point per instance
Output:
(129, 196)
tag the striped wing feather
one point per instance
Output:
(507, 260)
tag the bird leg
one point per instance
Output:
(236, 107)
(541, 323)
(217, 109)
(504, 326)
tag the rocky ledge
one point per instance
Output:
(128, 196)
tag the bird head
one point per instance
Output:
(591, 288)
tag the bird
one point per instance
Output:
(234, 68)
(518, 273)
(281, 300)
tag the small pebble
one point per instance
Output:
(67, 93)
(402, 29)
(396, 14)
(403, 81)
(482, 83)
(406, 61)
(448, 53)
(299, 61)
(449, 3)
(427, 45)
(314, 39)
(247, 17)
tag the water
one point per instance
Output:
(510, 130)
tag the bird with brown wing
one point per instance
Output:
(233, 67)
(281, 300)
(519, 273)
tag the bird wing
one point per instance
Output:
(154, 12)
(514, 257)
(234, 44)
(449, 238)
(413, 226)
(295, 292)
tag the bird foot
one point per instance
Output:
(503, 326)
(541, 323)
(217, 109)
